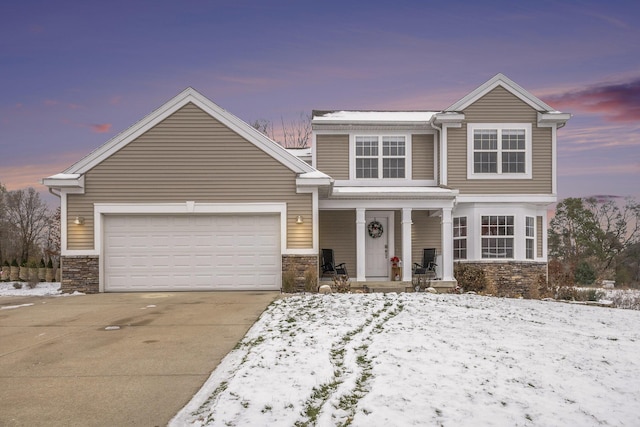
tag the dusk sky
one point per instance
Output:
(73, 74)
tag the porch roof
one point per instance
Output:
(392, 192)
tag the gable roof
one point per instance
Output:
(190, 95)
(508, 84)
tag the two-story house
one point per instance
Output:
(193, 198)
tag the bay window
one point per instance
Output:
(497, 236)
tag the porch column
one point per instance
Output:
(406, 244)
(447, 244)
(360, 242)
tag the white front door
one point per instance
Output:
(377, 246)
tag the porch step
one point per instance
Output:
(402, 286)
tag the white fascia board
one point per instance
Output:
(68, 181)
(388, 204)
(501, 80)
(252, 135)
(508, 198)
(553, 118)
(449, 118)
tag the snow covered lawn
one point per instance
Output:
(41, 289)
(422, 359)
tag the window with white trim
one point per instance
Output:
(460, 237)
(380, 157)
(497, 236)
(529, 233)
(499, 150)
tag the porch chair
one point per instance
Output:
(329, 265)
(428, 267)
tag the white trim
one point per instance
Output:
(446, 230)
(386, 182)
(390, 204)
(361, 223)
(380, 180)
(499, 127)
(508, 84)
(190, 95)
(554, 160)
(544, 199)
(390, 216)
(407, 255)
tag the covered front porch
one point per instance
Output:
(366, 235)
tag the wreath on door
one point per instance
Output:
(375, 229)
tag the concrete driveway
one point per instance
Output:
(61, 364)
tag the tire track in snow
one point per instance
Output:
(354, 379)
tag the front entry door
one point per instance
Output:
(377, 247)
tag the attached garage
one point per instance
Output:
(188, 252)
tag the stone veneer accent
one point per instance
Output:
(512, 278)
(300, 264)
(80, 273)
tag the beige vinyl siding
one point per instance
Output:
(338, 232)
(189, 156)
(539, 236)
(426, 233)
(422, 163)
(500, 106)
(332, 155)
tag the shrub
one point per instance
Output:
(342, 285)
(17, 285)
(42, 264)
(289, 281)
(50, 263)
(571, 293)
(311, 280)
(14, 263)
(471, 278)
(584, 274)
(561, 273)
(6, 263)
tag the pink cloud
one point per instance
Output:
(619, 102)
(101, 128)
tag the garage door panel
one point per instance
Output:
(191, 252)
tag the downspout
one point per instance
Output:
(439, 129)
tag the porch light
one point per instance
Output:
(299, 219)
(79, 220)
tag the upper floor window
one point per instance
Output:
(380, 157)
(499, 150)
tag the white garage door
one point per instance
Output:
(191, 252)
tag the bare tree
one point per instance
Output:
(265, 126)
(292, 134)
(296, 133)
(28, 214)
(51, 239)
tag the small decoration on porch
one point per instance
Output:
(394, 261)
(375, 229)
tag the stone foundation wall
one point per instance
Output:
(512, 278)
(80, 273)
(299, 265)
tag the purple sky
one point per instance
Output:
(74, 74)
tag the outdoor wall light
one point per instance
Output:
(79, 220)
(299, 219)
